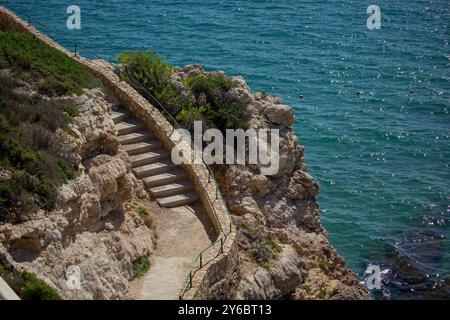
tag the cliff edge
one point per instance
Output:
(284, 251)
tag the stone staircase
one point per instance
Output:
(167, 183)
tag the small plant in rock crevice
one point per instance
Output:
(141, 266)
(262, 248)
(142, 211)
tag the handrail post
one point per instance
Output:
(221, 245)
(231, 226)
(201, 260)
(190, 278)
(209, 176)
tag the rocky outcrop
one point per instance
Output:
(284, 276)
(283, 209)
(95, 229)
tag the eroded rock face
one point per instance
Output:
(283, 206)
(285, 275)
(95, 227)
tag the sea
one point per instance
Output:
(371, 105)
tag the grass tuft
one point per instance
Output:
(141, 266)
(32, 60)
(142, 211)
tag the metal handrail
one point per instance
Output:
(224, 234)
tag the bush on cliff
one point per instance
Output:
(262, 248)
(212, 104)
(28, 127)
(153, 73)
(53, 72)
(28, 287)
(141, 266)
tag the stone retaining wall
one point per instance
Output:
(220, 264)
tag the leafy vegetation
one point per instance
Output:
(262, 248)
(141, 266)
(212, 103)
(28, 287)
(28, 122)
(322, 294)
(27, 133)
(324, 265)
(142, 211)
(34, 61)
(306, 287)
(154, 74)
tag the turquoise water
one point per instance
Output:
(381, 156)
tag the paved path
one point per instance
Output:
(182, 233)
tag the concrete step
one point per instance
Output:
(129, 126)
(164, 178)
(171, 189)
(119, 115)
(135, 137)
(149, 157)
(142, 147)
(178, 200)
(154, 168)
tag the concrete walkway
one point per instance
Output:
(182, 233)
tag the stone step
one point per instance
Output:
(178, 200)
(142, 147)
(129, 126)
(135, 137)
(164, 178)
(119, 115)
(154, 168)
(171, 189)
(149, 157)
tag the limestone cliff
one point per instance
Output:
(94, 226)
(284, 251)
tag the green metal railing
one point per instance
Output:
(199, 262)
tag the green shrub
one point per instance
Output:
(210, 85)
(260, 252)
(28, 287)
(190, 114)
(53, 72)
(262, 248)
(306, 287)
(322, 294)
(273, 245)
(324, 265)
(27, 132)
(153, 73)
(142, 211)
(141, 266)
(213, 105)
(218, 110)
(39, 290)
